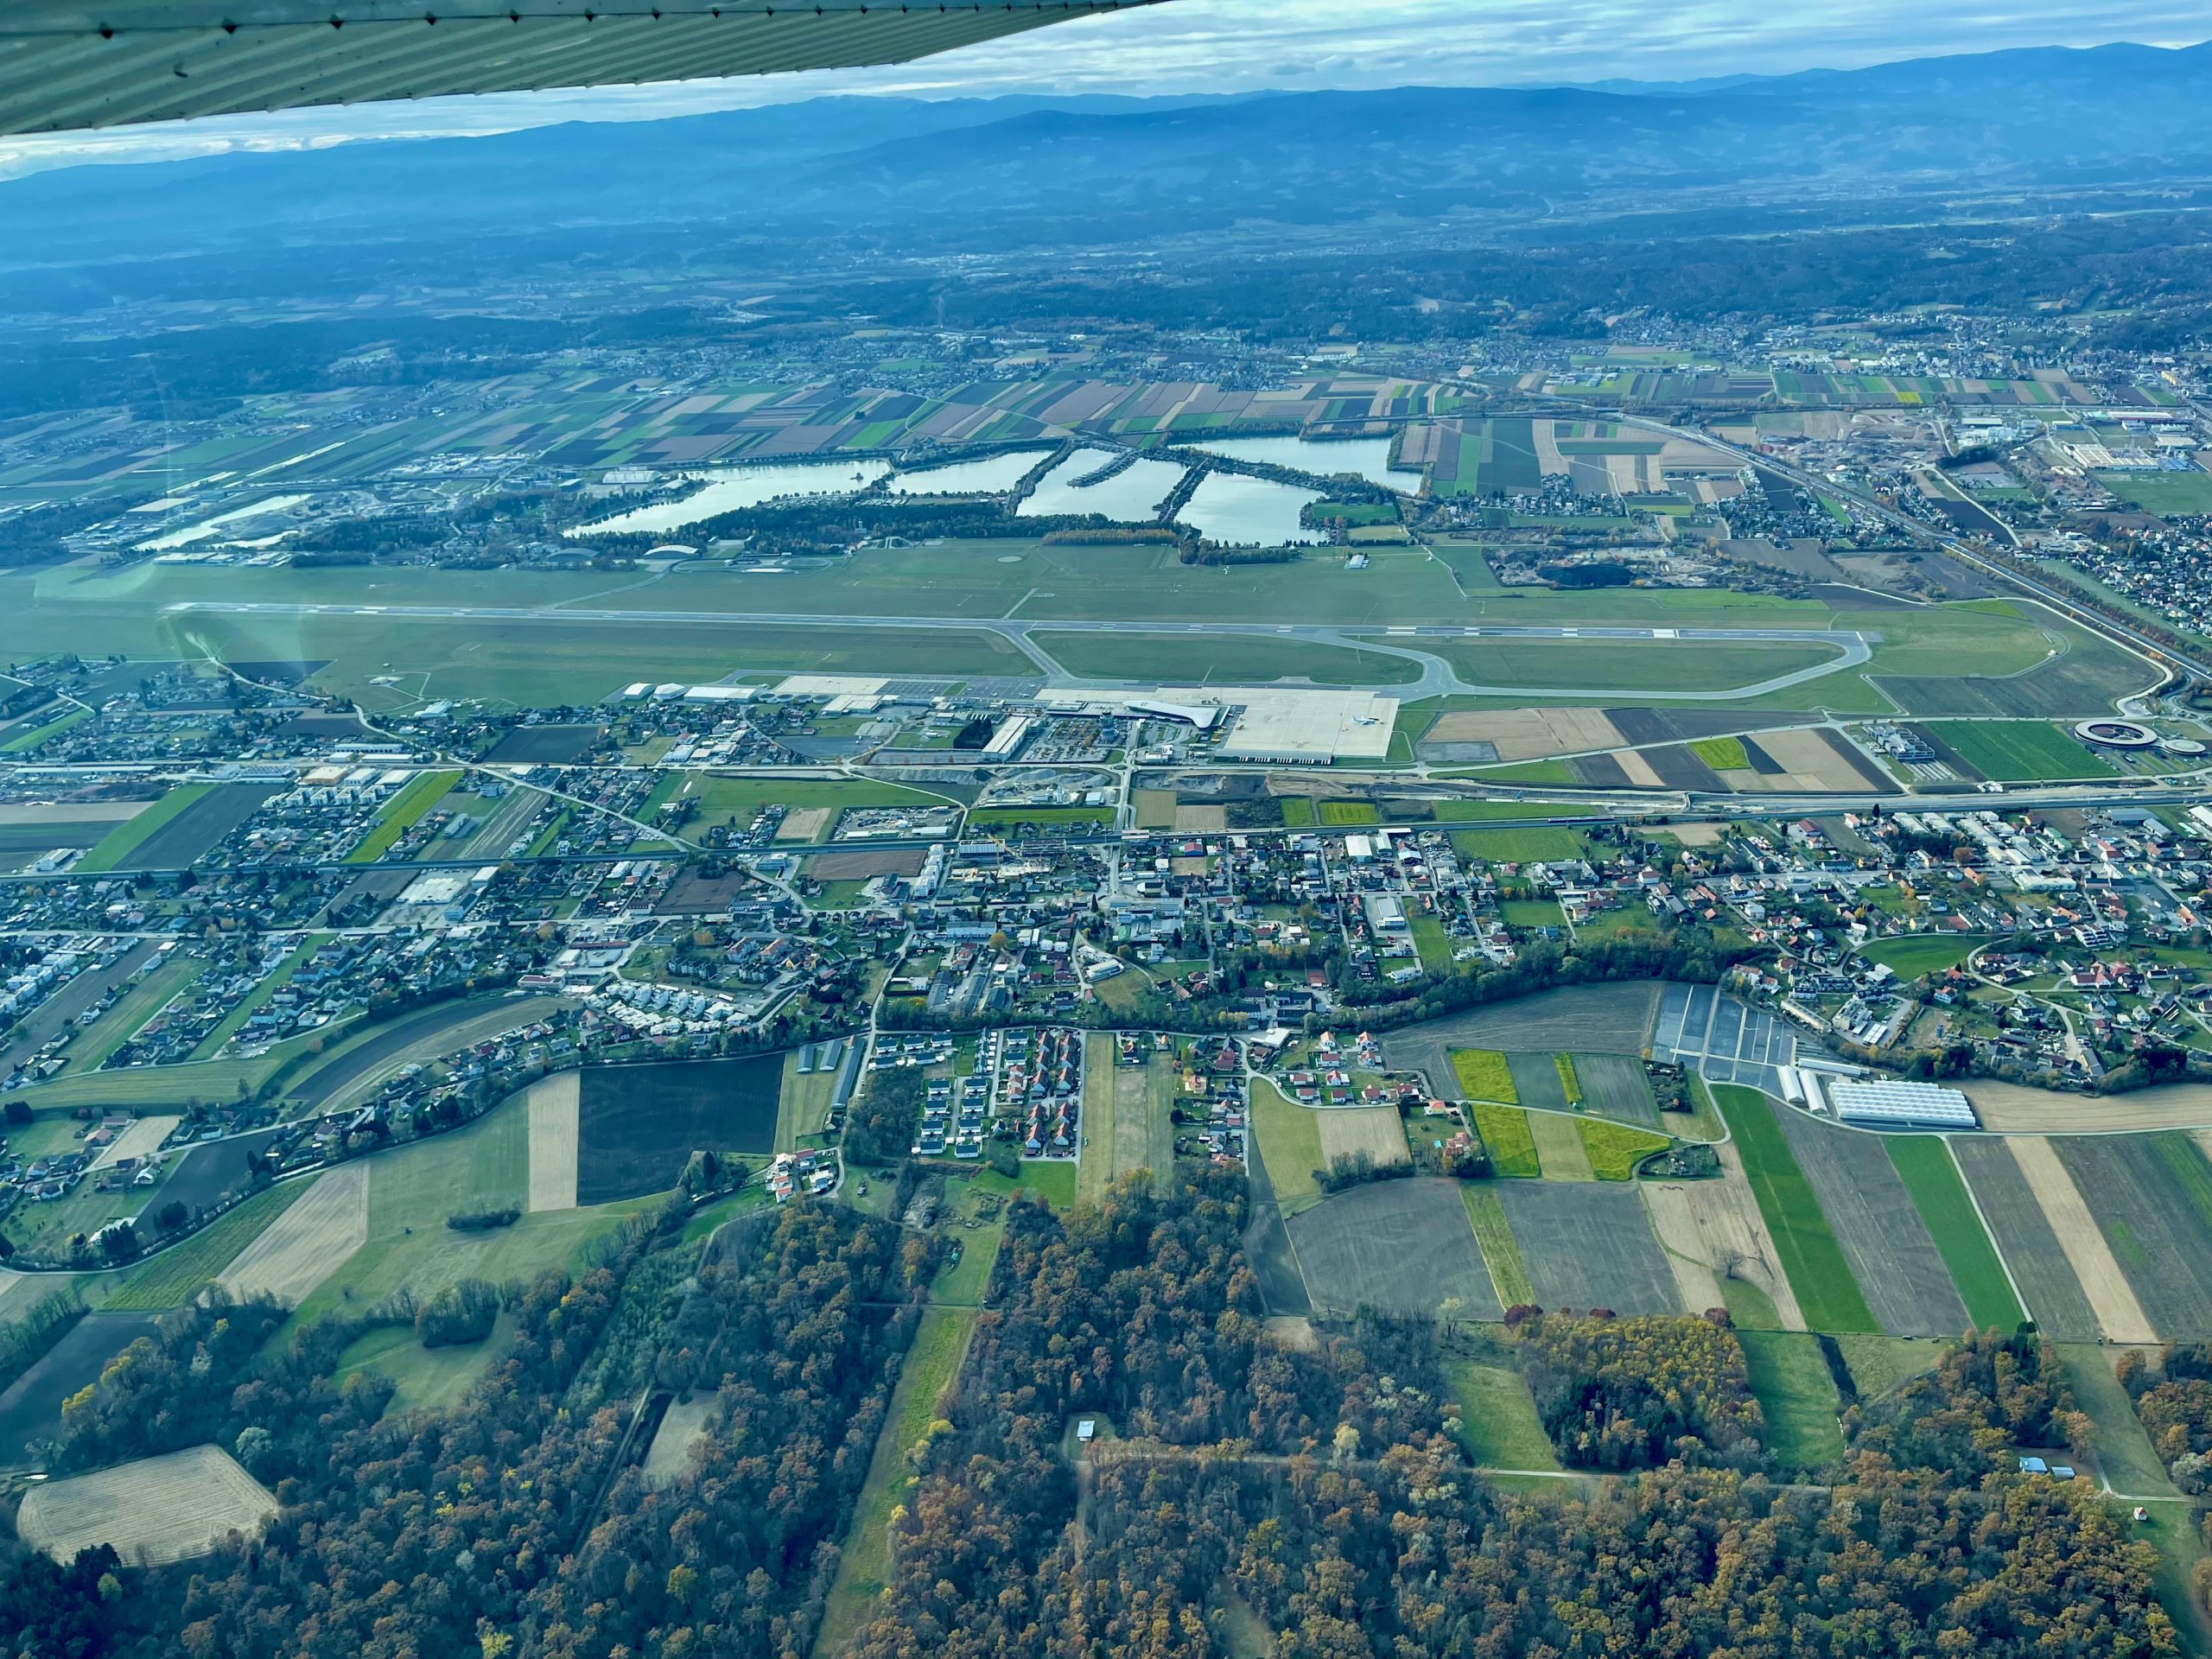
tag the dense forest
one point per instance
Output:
(1245, 1478)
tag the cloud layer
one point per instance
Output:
(1215, 45)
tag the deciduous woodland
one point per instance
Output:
(1317, 1491)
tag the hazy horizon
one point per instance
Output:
(1225, 46)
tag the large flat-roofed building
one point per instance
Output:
(1880, 1104)
(1310, 727)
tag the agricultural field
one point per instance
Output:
(1617, 1086)
(1613, 1150)
(1403, 1247)
(1612, 1019)
(123, 841)
(1375, 1133)
(1589, 1244)
(2031, 1250)
(1939, 1192)
(1511, 1142)
(1810, 1259)
(1535, 843)
(639, 1125)
(733, 804)
(2163, 493)
(179, 1273)
(1484, 1074)
(402, 813)
(311, 1240)
(1878, 1226)
(2012, 752)
(157, 1511)
(555, 1106)
(2152, 1195)
(1560, 1150)
(1509, 1275)
(1539, 1082)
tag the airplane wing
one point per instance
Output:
(72, 64)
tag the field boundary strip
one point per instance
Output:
(1962, 1238)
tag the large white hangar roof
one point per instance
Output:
(68, 64)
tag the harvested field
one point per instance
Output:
(2152, 1197)
(555, 1106)
(1891, 1254)
(1374, 1130)
(639, 1125)
(682, 1426)
(1637, 772)
(1617, 1086)
(1673, 1224)
(1528, 734)
(156, 1511)
(143, 1137)
(1537, 1082)
(1201, 820)
(1401, 1246)
(2024, 1238)
(1558, 1147)
(1815, 761)
(30, 1408)
(1142, 1114)
(313, 1238)
(1589, 1245)
(1736, 1238)
(1615, 1018)
(2111, 1298)
(2010, 1108)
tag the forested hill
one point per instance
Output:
(1028, 169)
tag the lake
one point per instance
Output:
(729, 488)
(992, 476)
(1367, 458)
(1239, 512)
(1131, 497)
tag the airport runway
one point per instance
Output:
(1438, 677)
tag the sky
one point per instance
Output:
(1222, 46)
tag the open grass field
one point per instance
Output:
(1878, 1363)
(177, 1275)
(1647, 667)
(1874, 1219)
(1911, 958)
(1484, 1074)
(402, 813)
(1589, 1244)
(1498, 1418)
(1052, 1179)
(2161, 492)
(123, 842)
(1613, 1150)
(1290, 1142)
(425, 1379)
(1433, 943)
(1925, 1163)
(2124, 1451)
(1796, 1395)
(639, 1125)
(1512, 1145)
(1810, 1258)
(1402, 1248)
(1509, 1275)
(1532, 844)
(1219, 659)
(1096, 1166)
(2017, 751)
(932, 1361)
(157, 1511)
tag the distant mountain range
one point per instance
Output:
(1010, 172)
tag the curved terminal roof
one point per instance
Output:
(69, 64)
